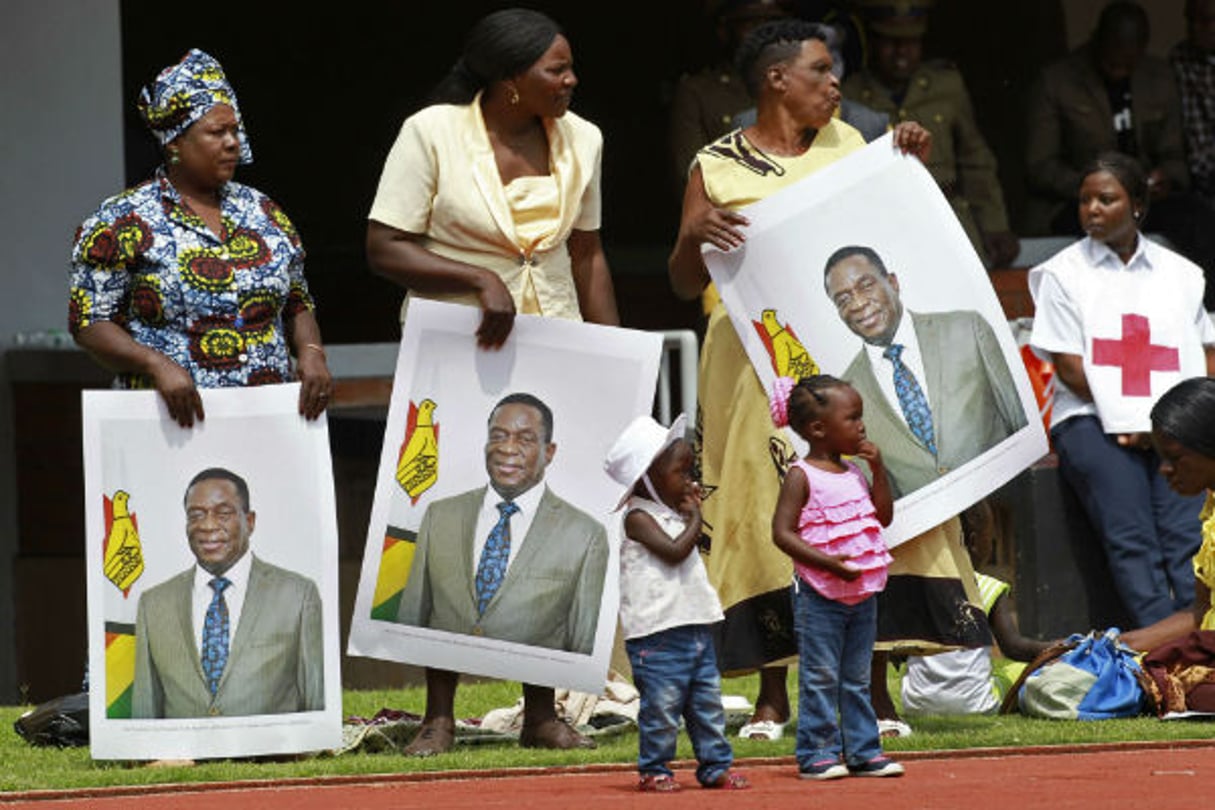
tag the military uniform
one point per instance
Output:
(961, 162)
(703, 110)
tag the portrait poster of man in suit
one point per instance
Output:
(491, 548)
(862, 271)
(937, 386)
(212, 578)
(510, 560)
(254, 644)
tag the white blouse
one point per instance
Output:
(656, 595)
(1140, 327)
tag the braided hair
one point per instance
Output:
(808, 399)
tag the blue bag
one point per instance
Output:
(1097, 679)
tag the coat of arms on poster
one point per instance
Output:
(212, 577)
(492, 549)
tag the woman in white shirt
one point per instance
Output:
(1122, 319)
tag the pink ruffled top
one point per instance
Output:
(839, 518)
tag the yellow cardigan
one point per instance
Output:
(441, 180)
(1204, 560)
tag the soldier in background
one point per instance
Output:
(706, 102)
(897, 82)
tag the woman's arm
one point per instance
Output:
(113, 347)
(794, 492)
(311, 364)
(1172, 627)
(1167, 629)
(644, 529)
(400, 257)
(1202, 602)
(592, 278)
(700, 223)
(1008, 636)
(1070, 368)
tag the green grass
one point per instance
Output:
(23, 767)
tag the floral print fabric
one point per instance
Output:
(214, 305)
(184, 93)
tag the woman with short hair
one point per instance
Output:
(787, 67)
(1122, 317)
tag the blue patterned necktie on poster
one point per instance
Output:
(215, 635)
(492, 566)
(911, 398)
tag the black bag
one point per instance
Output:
(62, 721)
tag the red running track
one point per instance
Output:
(1180, 775)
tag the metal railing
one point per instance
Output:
(681, 342)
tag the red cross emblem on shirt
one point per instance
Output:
(1135, 353)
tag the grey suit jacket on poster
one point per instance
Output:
(551, 593)
(276, 660)
(974, 400)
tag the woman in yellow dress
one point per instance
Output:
(490, 197)
(787, 68)
(1184, 437)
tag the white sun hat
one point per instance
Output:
(640, 443)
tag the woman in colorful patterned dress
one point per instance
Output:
(191, 280)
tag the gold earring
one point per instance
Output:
(514, 95)
(174, 157)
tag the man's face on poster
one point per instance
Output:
(517, 450)
(866, 299)
(217, 524)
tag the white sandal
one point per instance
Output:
(893, 728)
(762, 730)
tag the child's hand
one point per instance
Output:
(844, 569)
(870, 453)
(689, 507)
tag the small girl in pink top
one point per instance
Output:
(829, 520)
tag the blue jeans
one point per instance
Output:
(835, 649)
(1149, 532)
(676, 672)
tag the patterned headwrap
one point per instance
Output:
(184, 93)
(778, 402)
